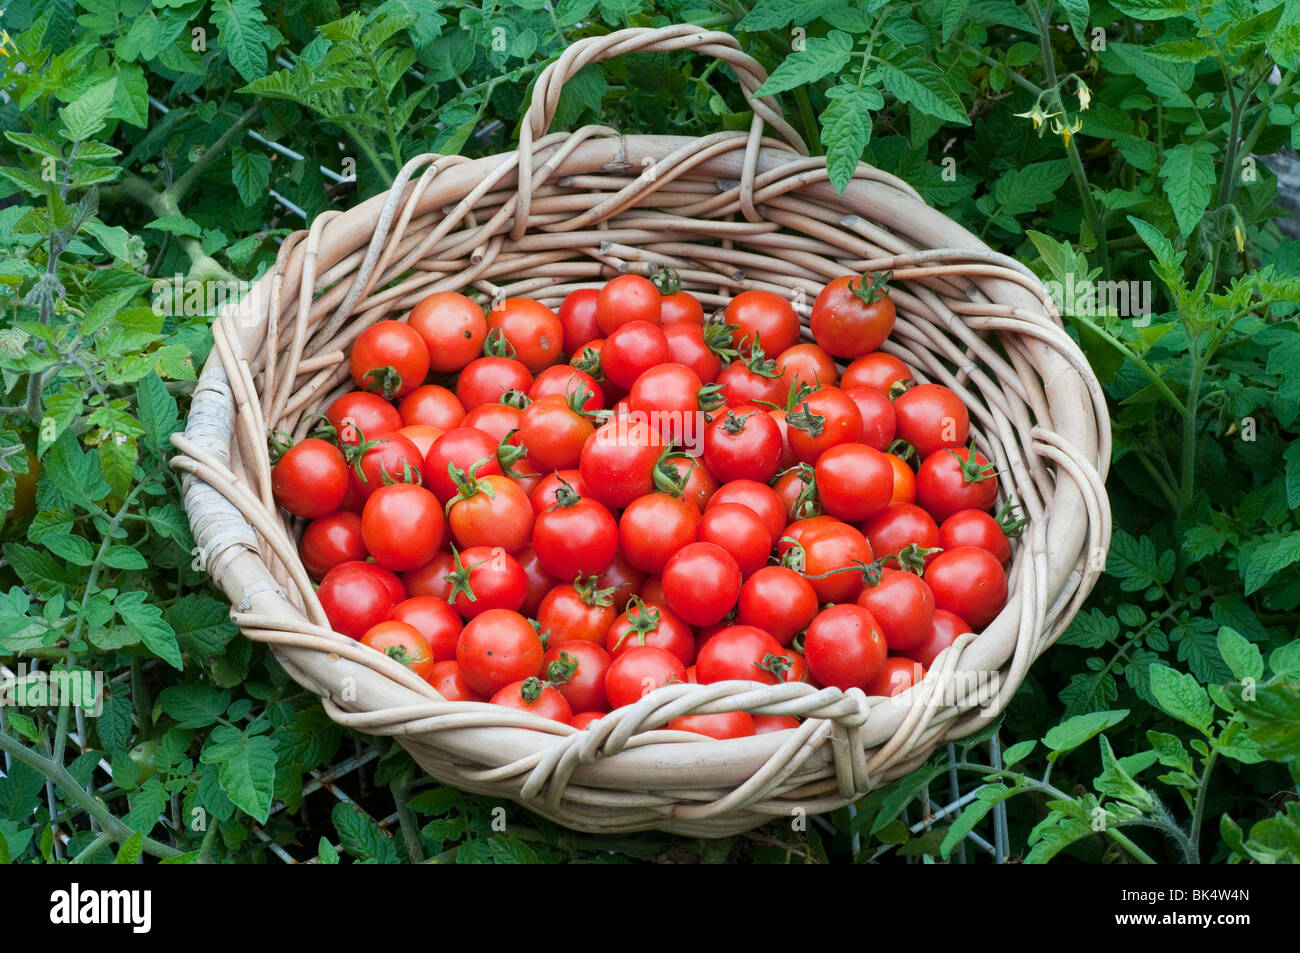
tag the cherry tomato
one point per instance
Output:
(355, 598)
(447, 681)
(631, 350)
(751, 382)
(952, 480)
(764, 724)
(724, 725)
(486, 578)
(543, 496)
(680, 307)
(391, 580)
(331, 540)
(806, 364)
(531, 329)
(701, 583)
(577, 316)
(759, 497)
(743, 444)
(554, 433)
(496, 648)
(388, 458)
(899, 525)
(897, 676)
(402, 526)
(655, 526)
(878, 371)
(878, 420)
(498, 421)
(578, 611)
(403, 643)
(825, 418)
(535, 696)
(431, 578)
(583, 720)
(778, 600)
(765, 317)
(687, 345)
(389, 358)
(540, 582)
(435, 620)
(569, 382)
(834, 546)
(743, 652)
(904, 480)
(618, 462)
(902, 605)
(625, 299)
(657, 625)
(465, 449)
(624, 578)
(844, 647)
(931, 418)
(696, 484)
(311, 479)
(423, 436)
(577, 670)
(485, 379)
(854, 481)
(852, 316)
(968, 581)
(452, 328)
(575, 536)
(357, 415)
(741, 532)
(973, 528)
(945, 629)
(639, 671)
(432, 405)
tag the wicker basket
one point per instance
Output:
(728, 211)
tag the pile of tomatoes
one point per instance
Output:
(563, 511)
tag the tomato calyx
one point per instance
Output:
(591, 594)
(710, 397)
(1007, 518)
(566, 497)
(531, 689)
(900, 387)
(459, 577)
(562, 669)
(398, 653)
(971, 470)
(806, 420)
(409, 474)
(667, 478)
(912, 557)
(667, 281)
(280, 443)
(508, 454)
(496, 345)
(645, 620)
(807, 504)
(799, 391)
(794, 558)
(733, 424)
(871, 288)
(778, 665)
(717, 338)
(515, 398)
(758, 362)
(468, 484)
(588, 361)
(905, 452)
(385, 381)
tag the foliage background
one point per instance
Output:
(1122, 140)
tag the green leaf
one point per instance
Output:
(918, 81)
(1114, 781)
(117, 456)
(773, 14)
(147, 804)
(75, 549)
(124, 557)
(1076, 13)
(146, 621)
(1261, 559)
(1023, 189)
(1285, 661)
(156, 408)
(1151, 9)
(1242, 656)
(1182, 696)
(820, 57)
(194, 705)
(361, 837)
(86, 115)
(1134, 562)
(325, 850)
(251, 173)
(953, 12)
(132, 847)
(846, 129)
(1075, 731)
(1170, 751)
(242, 31)
(247, 769)
(114, 723)
(901, 792)
(1274, 721)
(1188, 173)
(176, 225)
(1018, 751)
(1292, 459)
(1091, 629)
(1163, 79)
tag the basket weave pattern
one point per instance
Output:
(729, 211)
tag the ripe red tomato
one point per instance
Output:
(452, 328)
(498, 421)
(759, 497)
(485, 379)
(431, 578)
(754, 380)
(680, 307)
(806, 364)
(656, 625)
(724, 725)
(357, 415)
(968, 581)
(744, 652)
(575, 536)
(331, 540)
(625, 299)
(945, 629)
(931, 417)
(898, 675)
(311, 479)
(624, 578)
(491, 511)
(878, 420)
(904, 480)
(791, 488)
(852, 316)
(531, 329)
(690, 478)
(844, 647)
(854, 481)
(435, 620)
(554, 433)
(701, 583)
(971, 528)
(577, 670)
(432, 405)
(535, 696)
(465, 449)
(674, 391)
(388, 458)
(402, 526)
(577, 316)
(741, 532)
(540, 582)
(631, 350)
(423, 436)
(583, 720)
(578, 611)
(639, 671)
(778, 600)
(687, 345)
(543, 496)
(355, 597)
(825, 418)
(902, 605)
(447, 681)
(878, 371)
(655, 526)
(618, 462)
(763, 317)
(485, 578)
(389, 358)
(831, 546)
(898, 526)
(402, 643)
(496, 648)
(569, 382)
(743, 444)
(952, 480)
(764, 724)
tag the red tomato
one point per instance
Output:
(554, 433)
(690, 478)
(531, 329)
(852, 316)
(969, 581)
(355, 597)
(569, 382)
(878, 371)
(577, 670)
(311, 479)
(680, 307)
(759, 497)
(388, 458)
(485, 379)
(392, 582)
(904, 480)
(655, 526)
(452, 328)
(669, 394)
(584, 720)
(751, 381)
(496, 648)
(656, 625)
(435, 620)
(540, 582)
(631, 350)
(498, 421)
(687, 345)
(844, 647)
(701, 583)
(898, 526)
(486, 578)
(575, 536)
(543, 496)
(763, 317)
(971, 528)
(741, 532)
(898, 675)
(763, 724)
(454, 455)
(447, 681)
(402, 526)
(423, 436)
(535, 696)
(779, 600)
(792, 488)
(578, 611)
(902, 605)
(806, 364)
(432, 405)
(945, 628)
(833, 546)
(577, 316)
(431, 578)
(825, 418)
(878, 420)
(743, 444)
(402, 643)
(639, 671)
(618, 462)
(331, 540)
(728, 724)
(744, 652)
(625, 299)
(952, 480)
(491, 511)
(389, 358)
(854, 481)
(624, 578)
(357, 415)
(931, 417)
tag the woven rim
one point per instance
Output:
(728, 211)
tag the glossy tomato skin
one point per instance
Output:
(854, 481)
(844, 647)
(741, 532)
(728, 724)
(743, 652)
(568, 382)
(498, 421)
(391, 580)
(903, 606)
(465, 448)
(359, 414)
(743, 385)
(423, 436)
(899, 525)
(403, 643)
(402, 526)
(577, 668)
(825, 418)
(743, 444)
(540, 582)
(686, 345)
(765, 317)
(806, 363)
(639, 671)
(789, 486)
(931, 418)
(498, 513)
(952, 480)
(974, 528)
(631, 350)
(583, 720)
(625, 299)
(571, 617)
(543, 495)
(391, 458)
(681, 307)
(496, 648)
(879, 422)
(671, 389)
(355, 600)
(485, 379)
(545, 700)
(700, 484)
(945, 628)
(968, 581)
(577, 314)
(657, 625)
(764, 724)
(389, 344)
(624, 578)
(759, 497)
(778, 600)
(576, 539)
(433, 405)
(493, 580)
(847, 326)
(331, 540)
(431, 578)
(655, 526)
(904, 480)
(701, 583)
(898, 675)
(311, 479)
(452, 328)
(832, 546)
(447, 681)
(554, 433)
(435, 620)
(532, 330)
(617, 464)
(878, 371)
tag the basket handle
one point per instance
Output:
(682, 36)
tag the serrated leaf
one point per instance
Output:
(846, 129)
(86, 115)
(953, 11)
(117, 456)
(918, 81)
(146, 621)
(1075, 731)
(361, 837)
(1151, 9)
(156, 409)
(251, 173)
(1182, 696)
(1076, 14)
(1116, 782)
(1024, 189)
(247, 769)
(1018, 752)
(194, 705)
(1261, 559)
(1188, 174)
(1091, 629)
(132, 847)
(1243, 656)
(820, 57)
(241, 30)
